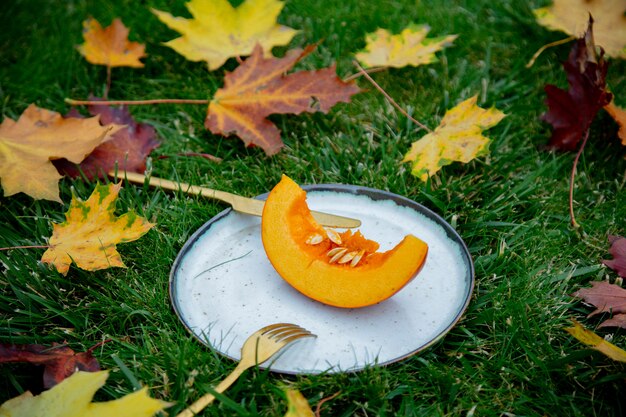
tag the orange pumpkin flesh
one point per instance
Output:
(286, 227)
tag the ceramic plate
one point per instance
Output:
(223, 287)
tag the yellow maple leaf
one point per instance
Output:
(72, 398)
(29, 144)
(410, 47)
(298, 406)
(619, 115)
(219, 31)
(572, 17)
(110, 46)
(594, 341)
(457, 138)
(90, 232)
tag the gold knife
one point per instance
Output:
(241, 204)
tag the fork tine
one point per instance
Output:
(280, 328)
(272, 327)
(297, 336)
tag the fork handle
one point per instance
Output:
(176, 186)
(208, 398)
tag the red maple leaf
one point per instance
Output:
(618, 250)
(128, 148)
(59, 361)
(607, 298)
(571, 112)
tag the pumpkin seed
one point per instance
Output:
(357, 258)
(333, 236)
(314, 239)
(336, 254)
(347, 257)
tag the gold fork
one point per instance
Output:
(258, 348)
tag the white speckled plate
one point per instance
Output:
(223, 287)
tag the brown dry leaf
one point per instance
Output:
(571, 16)
(127, 150)
(72, 398)
(260, 87)
(594, 341)
(59, 361)
(110, 46)
(607, 298)
(619, 115)
(90, 232)
(29, 144)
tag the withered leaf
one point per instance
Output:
(607, 298)
(59, 360)
(459, 137)
(29, 144)
(596, 342)
(219, 31)
(260, 87)
(619, 115)
(89, 235)
(618, 250)
(127, 149)
(571, 112)
(72, 398)
(110, 46)
(570, 16)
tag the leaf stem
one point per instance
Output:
(135, 102)
(546, 46)
(198, 154)
(27, 247)
(108, 85)
(318, 409)
(388, 97)
(571, 182)
(368, 70)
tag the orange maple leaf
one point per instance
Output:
(90, 232)
(29, 144)
(110, 46)
(259, 87)
(619, 115)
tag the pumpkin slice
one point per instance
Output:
(339, 269)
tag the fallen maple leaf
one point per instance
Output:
(72, 398)
(219, 31)
(59, 361)
(457, 138)
(607, 298)
(619, 115)
(110, 46)
(29, 144)
(618, 250)
(297, 405)
(410, 47)
(571, 112)
(90, 232)
(594, 341)
(259, 87)
(127, 149)
(571, 16)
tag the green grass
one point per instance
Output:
(509, 355)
